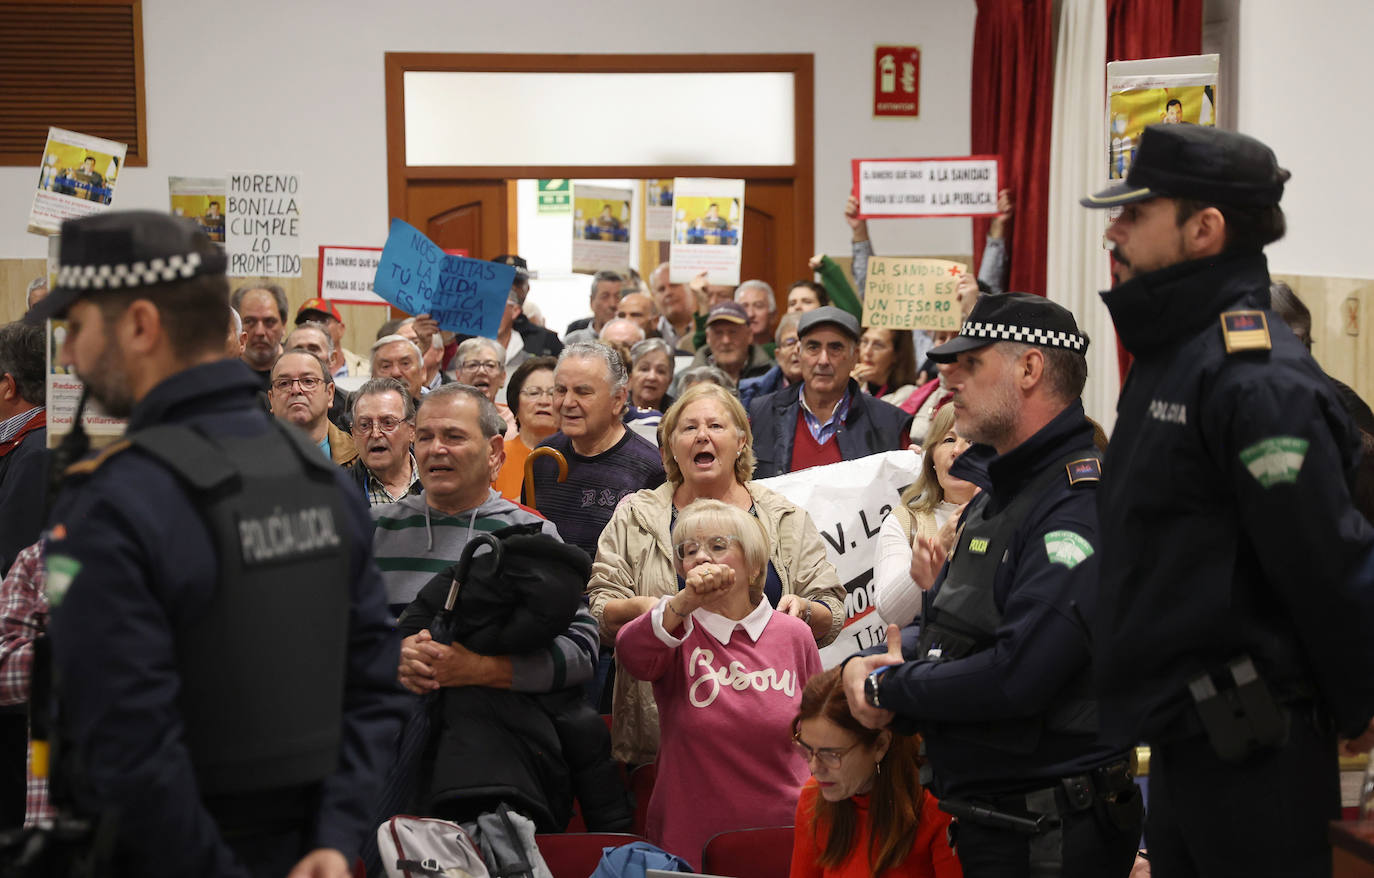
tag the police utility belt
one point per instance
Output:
(1239, 712)
(1109, 789)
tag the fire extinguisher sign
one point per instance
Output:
(897, 81)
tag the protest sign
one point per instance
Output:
(912, 293)
(555, 197)
(708, 229)
(600, 229)
(346, 274)
(1171, 91)
(76, 178)
(893, 188)
(64, 391)
(264, 238)
(201, 199)
(466, 296)
(847, 502)
(658, 210)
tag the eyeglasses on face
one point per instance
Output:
(365, 426)
(480, 366)
(827, 756)
(715, 546)
(537, 392)
(308, 383)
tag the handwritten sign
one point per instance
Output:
(264, 214)
(890, 188)
(912, 293)
(346, 274)
(466, 296)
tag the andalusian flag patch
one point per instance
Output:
(1276, 460)
(61, 570)
(1067, 548)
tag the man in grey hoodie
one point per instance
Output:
(458, 446)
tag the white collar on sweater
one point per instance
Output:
(722, 628)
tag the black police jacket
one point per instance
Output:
(132, 566)
(1226, 519)
(987, 717)
(871, 426)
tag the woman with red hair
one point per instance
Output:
(863, 813)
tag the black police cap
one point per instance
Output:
(123, 250)
(1198, 162)
(1018, 317)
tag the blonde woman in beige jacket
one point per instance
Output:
(707, 452)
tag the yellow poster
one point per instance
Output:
(1157, 91)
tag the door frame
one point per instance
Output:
(801, 172)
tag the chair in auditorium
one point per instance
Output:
(765, 852)
(641, 788)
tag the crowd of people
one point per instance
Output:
(225, 626)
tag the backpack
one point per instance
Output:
(506, 840)
(631, 860)
(423, 847)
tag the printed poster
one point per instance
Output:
(708, 230)
(600, 228)
(1171, 91)
(658, 210)
(346, 275)
(912, 293)
(64, 391)
(201, 199)
(76, 178)
(894, 188)
(848, 502)
(264, 225)
(466, 296)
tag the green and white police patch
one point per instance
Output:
(1067, 548)
(1276, 460)
(61, 570)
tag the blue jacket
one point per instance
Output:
(872, 426)
(751, 389)
(138, 562)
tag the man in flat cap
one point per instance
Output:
(1235, 626)
(223, 658)
(996, 675)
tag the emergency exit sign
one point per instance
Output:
(555, 197)
(897, 81)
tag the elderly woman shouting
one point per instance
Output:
(707, 452)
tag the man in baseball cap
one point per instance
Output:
(729, 343)
(202, 729)
(342, 362)
(1233, 631)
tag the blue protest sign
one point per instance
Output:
(466, 296)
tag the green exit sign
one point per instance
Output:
(555, 196)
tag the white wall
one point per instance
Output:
(1302, 69)
(267, 85)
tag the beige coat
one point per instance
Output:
(634, 559)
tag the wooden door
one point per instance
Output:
(772, 240)
(472, 215)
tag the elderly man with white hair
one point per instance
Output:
(395, 356)
(760, 304)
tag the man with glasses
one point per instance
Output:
(302, 391)
(315, 338)
(825, 418)
(482, 364)
(383, 425)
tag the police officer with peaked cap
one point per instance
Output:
(224, 663)
(1235, 627)
(996, 672)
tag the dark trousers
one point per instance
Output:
(1084, 845)
(1265, 816)
(14, 751)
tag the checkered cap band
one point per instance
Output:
(138, 274)
(1026, 335)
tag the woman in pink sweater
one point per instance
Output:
(727, 672)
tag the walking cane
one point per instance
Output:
(543, 451)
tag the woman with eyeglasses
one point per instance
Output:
(863, 813)
(707, 453)
(727, 672)
(529, 393)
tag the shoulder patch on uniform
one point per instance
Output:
(59, 571)
(1089, 469)
(86, 467)
(1245, 331)
(1067, 548)
(1276, 460)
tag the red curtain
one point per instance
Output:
(1138, 29)
(1013, 88)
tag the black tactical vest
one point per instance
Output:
(964, 617)
(263, 668)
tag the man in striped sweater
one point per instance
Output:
(458, 446)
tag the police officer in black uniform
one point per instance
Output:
(1236, 621)
(996, 674)
(224, 663)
